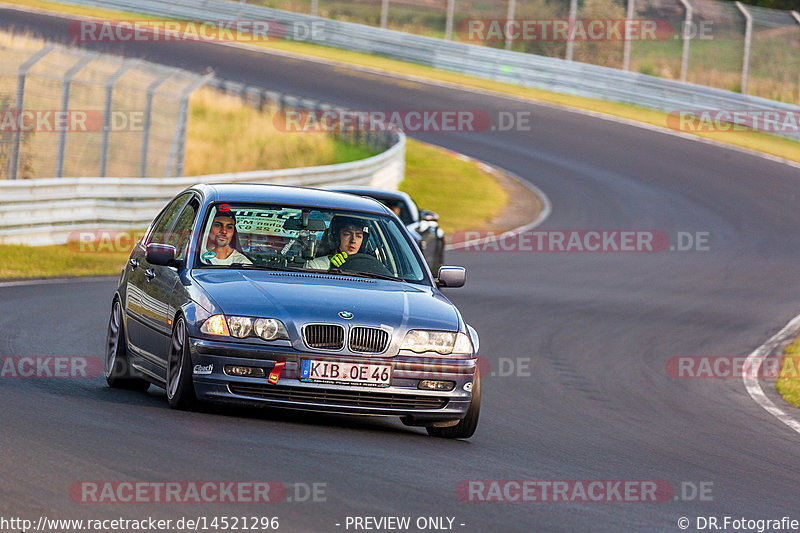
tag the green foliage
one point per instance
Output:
(788, 383)
(648, 68)
(464, 195)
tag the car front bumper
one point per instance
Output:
(402, 398)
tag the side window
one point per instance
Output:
(159, 233)
(181, 234)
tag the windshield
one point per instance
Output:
(302, 238)
(399, 208)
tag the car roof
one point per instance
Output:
(287, 195)
(373, 192)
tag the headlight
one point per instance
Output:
(215, 325)
(270, 329)
(241, 327)
(443, 342)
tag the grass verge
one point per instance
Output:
(225, 135)
(464, 195)
(21, 261)
(770, 144)
(788, 383)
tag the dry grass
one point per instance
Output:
(225, 135)
(20, 261)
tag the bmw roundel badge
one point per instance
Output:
(347, 315)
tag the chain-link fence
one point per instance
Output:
(717, 43)
(64, 112)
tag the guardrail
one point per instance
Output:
(552, 74)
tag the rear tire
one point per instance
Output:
(467, 425)
(116, 366)
(180, 387)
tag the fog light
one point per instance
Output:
(429, 384)
(245, 371)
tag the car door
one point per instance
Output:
(160, 297)
(143, 308)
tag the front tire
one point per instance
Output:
(116, 366)
(467, 425)
(180, 388)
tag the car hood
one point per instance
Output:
(299, 298)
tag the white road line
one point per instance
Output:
(754, 362)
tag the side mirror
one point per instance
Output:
(451, 276)
(160, 254)
(428, 216)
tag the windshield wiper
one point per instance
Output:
(363, 274)
(264, 267)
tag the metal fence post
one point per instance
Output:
(748, 37)
(62, 135)
(384, 13)
(177, 150)
(110, 82)
(626, 47)
(687, 37)
(448, 25)
(573, 14)
(20, 101)
(148, 112)
(314, 7)
(512, 5)
(796, 16)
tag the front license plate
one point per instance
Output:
(369, 374)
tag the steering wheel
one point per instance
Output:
(365, 263)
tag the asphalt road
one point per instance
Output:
(597, 329)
